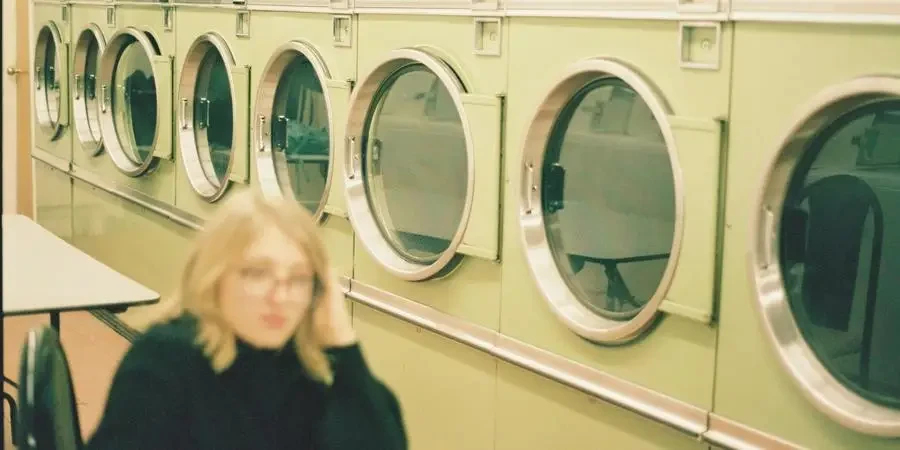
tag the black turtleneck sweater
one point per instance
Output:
(166, 396)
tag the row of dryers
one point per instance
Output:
(419, 160)
(613, 167)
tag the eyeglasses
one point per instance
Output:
(258, 282)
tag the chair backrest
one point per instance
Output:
(839, 206)
(47, 412)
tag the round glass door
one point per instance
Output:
(824, 266)
(601, 178)
(134, 103)
(89, 47)
(213, 124)
(842, 211)
(49, 74)
(129, 106)
(410, 180)
(608, 199)
(300, 133)
(293, 101)
(417, 193)
(207, 138)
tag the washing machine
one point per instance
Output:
(50, 84)
(422, 181)
(613, 155)
(89, 35)
(135, 98)
(212, 103)
(812, 233)
(304, 64)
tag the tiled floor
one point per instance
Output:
(93, 350)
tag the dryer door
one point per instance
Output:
(409, 170)
(293, 127)
(209, 116)
(600, 196)
(88, 49)
(50, 83)
(135, 106)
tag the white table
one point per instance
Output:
(43, 274)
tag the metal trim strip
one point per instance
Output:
(726, 433)
(843, 12)
(51, 160)
(681, 416)
(645, 402)
(813, 17)
(298, 9)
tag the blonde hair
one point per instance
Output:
(223, 241)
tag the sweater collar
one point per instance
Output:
(284, 360)
(248, 357)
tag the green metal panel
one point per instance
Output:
(162, 65)
(53, 200)
(339, 93)
(536, 414)
(482, 236)
(450, 37)
(699, 149)
(471, 292)
(240, 169)
(446, 391)
(337, 234)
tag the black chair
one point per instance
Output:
(48, 419)
(13, 410)
(828, 241)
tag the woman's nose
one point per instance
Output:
(278, 292)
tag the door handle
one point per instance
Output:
(13, 71)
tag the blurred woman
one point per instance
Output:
(256, 352)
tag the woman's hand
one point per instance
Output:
(331, 320)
